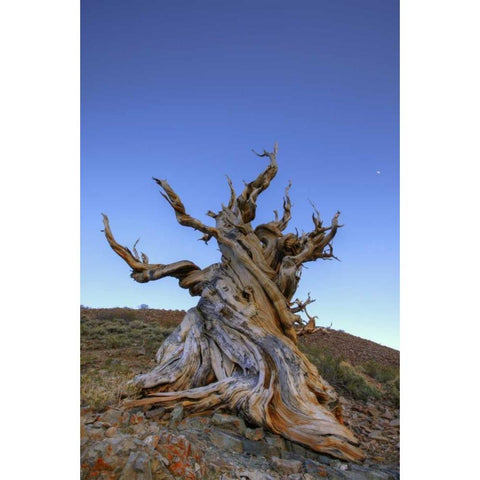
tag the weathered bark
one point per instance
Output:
(237, 349)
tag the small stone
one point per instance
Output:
(377, 435)
(253, 475)
(176, 416)
(111, 431)
(139, 430)
(137, 467)
(90, 417)
(254, 433)
(373, 411)
(259, 448)
(112, 416)
(226, 441)
(321, 458)
(286, 466)
(298, 449)
(153, 427)
(276, 441)
(152, 441)
(198, 423)
(136, 418)
(387, 414)
(315, 468)
(339, 465)
(142, 463)
(395, 422)
(155, 413)
(95, 433)
(229, 422)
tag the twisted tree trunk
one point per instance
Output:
(237, 349)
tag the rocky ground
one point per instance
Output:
(157, 444)
(162, 445)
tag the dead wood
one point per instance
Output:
(237, 349)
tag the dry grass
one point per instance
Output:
(116, 345)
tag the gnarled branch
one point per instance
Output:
(313, 244)
(246, 201)
(142, 271)
(182, 216)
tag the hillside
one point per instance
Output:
(117, 344)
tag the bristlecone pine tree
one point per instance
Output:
(237, 349)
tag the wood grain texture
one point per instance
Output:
(237, 349)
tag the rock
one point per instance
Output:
(371, 410)
(315, 468)
(153, 427)
(387, 414)
(111, 431)
(359, 472)
(299, 449)
(113, 417)
(339, 465)
(139, 430)
(155, 413)
(137, 468)
(226, 441)
(197, 423)
(90, 417)
(152, 441)
(95, 433)
(253, 475)
(229, 422)
(377, 435)
(259, 448)
(176, 416)
(136, 418)
(286, 455)
(254, 433)
(159, 469)
(275, 441)
(395, 422)
(286, 466)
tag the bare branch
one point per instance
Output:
(301, 306)
(142, 271)
(182, 217)
(233, 195)
(135, 253)
(313, 244)
(246, 202)
(287, 206)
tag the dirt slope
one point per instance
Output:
(354, 349)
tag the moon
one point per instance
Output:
(378, 172)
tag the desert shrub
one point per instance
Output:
(392, 391)
(343, 376)
(95, 331)
(138, 324)
(381, 373)
(116, 327)
(116, 341)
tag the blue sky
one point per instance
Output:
(184, 90)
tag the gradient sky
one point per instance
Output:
(184, 90)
